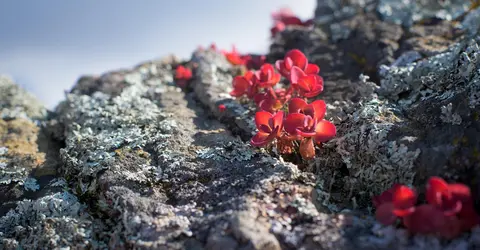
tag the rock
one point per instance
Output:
(130, 161)
(35, 212)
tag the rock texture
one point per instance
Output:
(130, 161)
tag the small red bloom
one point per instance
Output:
(295, 58)
(266, 76)
(307, 85)
(316, 109)
(269, 127)
(441, 196)
(425, 219)
(399, 201)
(285, 17)
(254, 61)
(182, 75)
(244, 85)
(234, 57)
(270, 101)
(281, 13)
(277, 27)
(452, 199)
(300, 125)
(221, 108)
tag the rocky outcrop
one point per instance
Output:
(130, 161)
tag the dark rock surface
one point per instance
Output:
(130, 161)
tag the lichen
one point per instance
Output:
(98, 125)
(407, 12)
(374, 161)
(19, 154)
(53, 221)
(17, 103)
(448, 116)
(455, 69)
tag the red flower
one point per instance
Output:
(324, 131)
(452, 199)
(182, 75)
(277, 27)
(285, 17)
(244, 85)
(269, 127)
(254, 61)
(300, 125)
(425, 219)
(281, 13)
(266, 76)
(306, 120)
(295, 58)
(399, 201)
(234, 57)
(221, 108)
(316, 109)
(271, 100)
(307, 85)
(440, 195)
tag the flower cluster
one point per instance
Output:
(284, 17)
(250, 61)
(285, 115)
(182, 76)
(448, 213)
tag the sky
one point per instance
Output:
(46, 45)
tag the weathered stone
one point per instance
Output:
(144, 164)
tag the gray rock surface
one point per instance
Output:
(130, 161)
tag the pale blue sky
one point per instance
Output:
(46, 45)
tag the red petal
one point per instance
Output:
(325, 131)
(312, 69)
(319, 109)
(235, 93)
(384, 214)
(240, 84)
(262, 118)
(460, 191)
(425, 220)
(404, 199)
(278, 120)
(451, 228)
(275, 79)
(386, 196)
(294, 121)
(296, 105)
(296, 74)
(280, 65)
(306, 83)
(436, 187)
(260, 139)
(299, 59)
